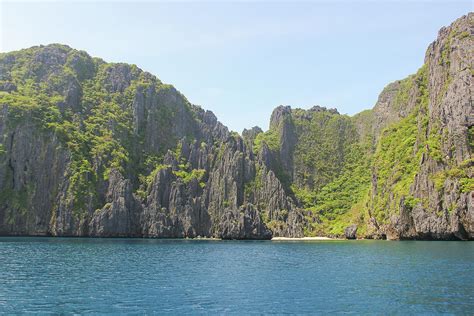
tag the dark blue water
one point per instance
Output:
(68, 275)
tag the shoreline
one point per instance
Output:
(318, 238)
(304, 239)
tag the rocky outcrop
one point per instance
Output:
(32, 165)
(351, 232)
(244, 223)
(118, 217)
(281, 121)
(216, 204)
(173, 209)
(249, 135)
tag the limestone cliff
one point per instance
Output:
(96, 149)
(440, 203)
(89, 148)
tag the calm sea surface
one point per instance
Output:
(124, 276)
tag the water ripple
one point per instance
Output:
(139, 276)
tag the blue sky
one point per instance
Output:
(241, 59)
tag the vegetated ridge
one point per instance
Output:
(89, 148)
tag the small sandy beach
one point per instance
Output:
(302, 238)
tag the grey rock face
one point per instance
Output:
(282, 122)
(28, 192)
(244, 223)
(118, 77)
(249, 135)
(118, 217)
(280, 208)
(173, 208)
(8, 87)
(351, 232)
(318, 108)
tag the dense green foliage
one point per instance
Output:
(396, 164)
(331, 168)
(399, 150)
(338, 202)
(187, 176)
(324, 141)
(271, 138)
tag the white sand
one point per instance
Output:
(303, 238)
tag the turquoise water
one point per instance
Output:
(72, 275)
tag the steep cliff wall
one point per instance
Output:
(432, 197)
(96, 149)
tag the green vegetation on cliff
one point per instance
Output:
(119, 144)
(331, 166)
(339, 203)
(397, 156)
(324, 142)
(271, 138)
(87, 104)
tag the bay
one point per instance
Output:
(151, 276)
